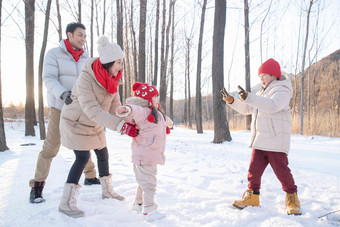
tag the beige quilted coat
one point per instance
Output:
(82, 122)
(271, 116)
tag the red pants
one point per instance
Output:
(279, 163)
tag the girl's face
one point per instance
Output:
(155, 101)
(266, 79)
(116, 67)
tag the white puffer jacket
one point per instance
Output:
(60, 73)
(271, 116)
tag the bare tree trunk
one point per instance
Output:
(247, 55)
(79, 8)
(162, 97)
(134, 43)
(3, 143)
(164, 60)
(198, 108)
(221, 126)
(128, 70)
(188, 84)
(97, 21)
(142, 28)
(40, 81)
(120, 37)
(303, 66)
(154, 82)
(91, 28)
(60, 31)
(171, 104)
(104, 16)
(29, 106)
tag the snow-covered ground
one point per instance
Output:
(196, 186)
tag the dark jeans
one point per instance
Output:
(279, 163)
(82, 158)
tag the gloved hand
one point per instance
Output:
(129, 129)
(66, 96)
(243, 93)
(226, 96)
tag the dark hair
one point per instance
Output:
(154, 113)
(107, 66)
(71, 27)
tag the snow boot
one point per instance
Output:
(250, 199)
(137, 207)
(36, 192)
(153, 215)
(68, 203)
(107, 187)
(293, 204)
(91, 181)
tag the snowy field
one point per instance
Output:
(196, 186)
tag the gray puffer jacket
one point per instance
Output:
(60, 73)
(271, 116)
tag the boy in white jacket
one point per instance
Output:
(270, 134)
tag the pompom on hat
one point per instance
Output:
(145, 91)
(108, 52)
(270, 67)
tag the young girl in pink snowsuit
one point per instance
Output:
(149, 146)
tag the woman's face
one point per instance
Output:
(116, 67)
(266, 79)
(155, 101)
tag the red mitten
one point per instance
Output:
(129, 129)
(167, 130)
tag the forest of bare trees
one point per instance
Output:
(178, 46)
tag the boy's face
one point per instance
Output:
(77, 38)
(266, 79)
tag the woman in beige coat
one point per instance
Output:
(83, 122)
(270, 134)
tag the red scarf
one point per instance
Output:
(104, 78)
(75, 53)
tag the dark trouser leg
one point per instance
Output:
(103, 161)
(82, 157)
(279, 163)
(258, 164)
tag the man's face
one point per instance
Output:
(77, 39)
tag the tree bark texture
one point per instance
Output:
(198, 106)
(142, 29)
(29, 105)
(247, 55)
(154, 82)
(221, 126)
(40, 81)
(303, 67)
(3, 143)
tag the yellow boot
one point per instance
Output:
(250, 199)
(293, 204)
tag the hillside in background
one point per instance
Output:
(321, 98)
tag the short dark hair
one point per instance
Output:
(71, 27)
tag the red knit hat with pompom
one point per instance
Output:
(145, 91)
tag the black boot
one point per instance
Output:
(36, 192)
(91, 181)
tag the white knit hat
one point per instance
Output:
(108, 52)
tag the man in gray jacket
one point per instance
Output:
(62, 66)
